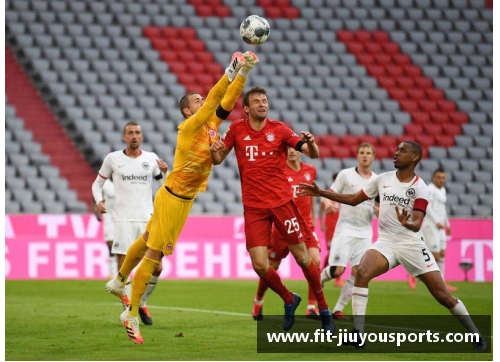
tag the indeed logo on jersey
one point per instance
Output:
(396, 199)
(134, 178)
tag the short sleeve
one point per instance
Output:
(421, 198)
(290, 137)
(371, 190)
(229, 137)
(338, 185)
(106, 169)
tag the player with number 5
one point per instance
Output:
(261, 147)
(403, 203)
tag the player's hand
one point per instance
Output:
(331, 207)
(439, 226)
(237, 61)
(251, 59)
(162, 165)
(217, 146)
(309, 190)
(448, 231)
(307, 137)
(101, 207)
(403, 216)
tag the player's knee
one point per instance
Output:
(437, 256)
(317, 260)
(362, 275)
(260, 268)
(303, 260)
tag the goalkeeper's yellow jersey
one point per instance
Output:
(192, 162)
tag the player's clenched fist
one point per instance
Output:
(307, 137)
(162, 165)
(101, 207)
(217, 146)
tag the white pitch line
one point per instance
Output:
(246, 315)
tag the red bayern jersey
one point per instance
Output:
(261, 159)
(306, 174)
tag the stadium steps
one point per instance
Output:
(187, 58)
(435, 120)
(47, 130)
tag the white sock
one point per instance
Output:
(345, 295)
(440, 264)
(149, 290)
(113, 265)
(461, 314)
(258, 302)
(359, 303)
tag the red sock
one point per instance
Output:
(274, 282)
(261, 290)
(312, 275)
(312, 296)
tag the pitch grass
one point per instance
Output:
(78, 320)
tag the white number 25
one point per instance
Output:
(292, 225)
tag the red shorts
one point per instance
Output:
(286, 219)
(279, 249)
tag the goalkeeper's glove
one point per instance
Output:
(237, 61)
(250, 61)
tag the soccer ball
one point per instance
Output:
(255, 30)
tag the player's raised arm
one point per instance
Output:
(348, 199)
(195, 120)
(309, 147)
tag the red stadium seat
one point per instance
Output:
(413, 71)
(406, 137)
(177, 67)
(433, 128)
(386, 82)
(349, 140)
(420, 117)
(416, 94)
(204, 79)
(428, 106)
(186, 78)
(169, 33)
(401, 59)
(408, 106)
(447, 106)
(204, 57)
(394, 71)
(197, 2)
(368, 138)
(459, 117)
(452, 129)
(425, 140)
(365, 59)
(159, 44)
(168, 56)
(185, 57)
(439, 117)
(413, 129)
(405, 82)
(341, 152)
(362, 36)
(382, 59)
(380, 36)
(196, 68)
(390, 48)
(265, 3)
(178, 44)
(325, 151)
(345, 36)
(423, 82)
(274, 12)
(445, 141)
(204, 11)
(373, 48)
(222, 12)
(151, 31)
(330, 139)
(387, 141)
(282, 3)
(187, 33)
(213, 68)
(354, 47)
(291, 13)
(396, 93)
(354, 149)
(196, 88)
(214, 3)
(376, 71)
(384, 152)
(425, 152)
(434, 94)
(196, 45)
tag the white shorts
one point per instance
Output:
(344, 249)
(414, 256)
(126, 232)
(434, 238)
(108, 227)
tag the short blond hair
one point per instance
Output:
(366, 145)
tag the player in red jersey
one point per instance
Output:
(261, 148)
(296, 173)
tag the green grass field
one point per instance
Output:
(78, 320)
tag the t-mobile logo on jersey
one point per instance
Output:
(253, 151)
(295, 189)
